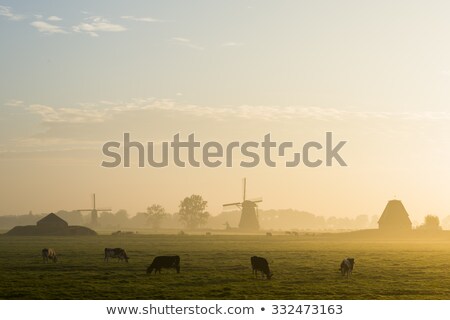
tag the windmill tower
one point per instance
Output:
(249, 215)
(94, 212)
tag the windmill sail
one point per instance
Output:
(94, 212)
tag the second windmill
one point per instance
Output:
(249, 211)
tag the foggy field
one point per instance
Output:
(218, 267)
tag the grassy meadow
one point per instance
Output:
(218, 267)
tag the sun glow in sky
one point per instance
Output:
(75, 75)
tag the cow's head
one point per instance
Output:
(123, 255)
(269, 275)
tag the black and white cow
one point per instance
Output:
(49, 254)
(260, 264)
(118, 253)
(167, 262)
(347, 266)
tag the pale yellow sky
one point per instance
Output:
(375, 74)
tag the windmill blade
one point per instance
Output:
(232, 204)
(106, 209)
(256, 199)
(245, 188)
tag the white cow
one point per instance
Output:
(49, 254)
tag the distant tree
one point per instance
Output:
(361, 222)
(114, 220)
(431, 223)
(192, 211)
(121, 217)
(71, 217)
(156, 214)
(139, 220)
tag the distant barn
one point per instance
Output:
(51, 225)
(52, 222)
(395, 218)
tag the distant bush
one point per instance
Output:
(431, 223)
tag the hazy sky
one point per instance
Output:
(77, 74)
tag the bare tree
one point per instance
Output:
(156, 214)
(192, 211)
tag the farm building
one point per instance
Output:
(51, 225)
(395, 218)
(52, 222)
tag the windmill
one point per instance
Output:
(249, 215)
(94, 212)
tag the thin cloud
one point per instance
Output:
(14, 103)
(8, 13)
(232, 44)
(104, 111)
(140, 19)
(68, 115)
(186, 42)
(47, 28)
(97, 24)
(54, 18)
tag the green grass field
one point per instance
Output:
(218, 267)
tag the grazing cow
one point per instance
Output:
(260, 264)
(167, 262)
(347, 266)
(118, 253)
(49, 254)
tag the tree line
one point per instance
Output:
(192, 214)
